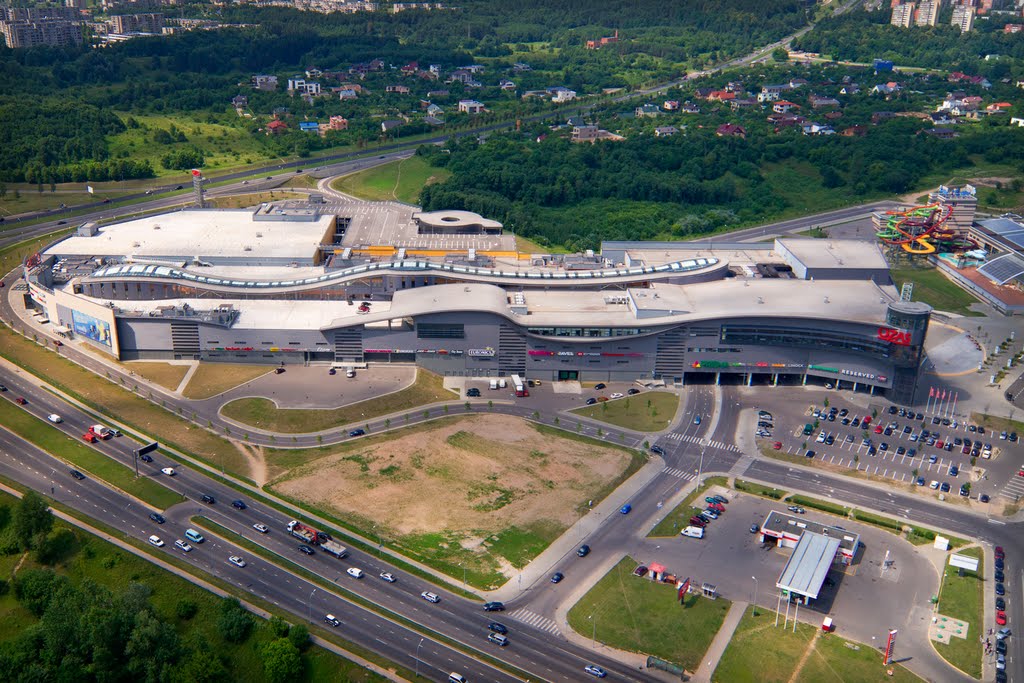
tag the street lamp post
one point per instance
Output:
(309, 606)
(418, 658)
(593, 635)
(753, 609)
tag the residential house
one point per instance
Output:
(309, 126)
(397, 89)
(886, 89)
(941, 133)
(797, 82)
(1013, 28)
(460, 75)
(704, 93)
(879, 116)
(437, 94)
(1017, 121)
(434, 110)
(300, 86)
(264, 82)
(721, 96)
(998, 107)
(433, 121)
(563, 95)
(665, 131)
(648, 111)
(689, 108)
(410, 69)
(734, 86)
(539, 94)
(592, 134)
(730, 130)
(276, 127)
(390, 125)
(670, 105)
(854, 131)
(314, 73)
(742, 103)
(239, 101)
(959, 76)
(506, 84)
(520, 67)
(822, 102)
(471, 107)
(783, 106)
(850, 89)
(833, 115)
(771, 93)
(347, 94)
(942, 118)
(812, 128)
(574, 121)
(338, 123)
(475, 68)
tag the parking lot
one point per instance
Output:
(908, 447)
(864, 595)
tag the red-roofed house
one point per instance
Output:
(730, 130)
(276, 127)
(721, 96)
(783, 106)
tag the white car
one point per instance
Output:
(155, 540)
(169, 471)
(430, 597)
(54, 418)
(185, 547)
(262, 528)
(388, 576)
(355, 572)
(236, 560)
(934, 484)
(616, 395)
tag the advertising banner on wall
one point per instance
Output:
(91, 328)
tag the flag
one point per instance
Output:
(931, 392)
(943, 394)
(88, 188)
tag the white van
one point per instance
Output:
(502, 383)
(498, 639)
(693, 532)
(456, 678)
(194, 536)
(356, 572)
(494, 384)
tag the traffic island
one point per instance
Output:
(956, 630)
(643, 614)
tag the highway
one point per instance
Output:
(530, 649)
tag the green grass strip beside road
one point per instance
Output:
(758, 489)
(678, 519)
(269, 555)
(961, 598)
(822, 505)
(91, 460)
(637, 614)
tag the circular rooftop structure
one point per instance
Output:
(455, 222)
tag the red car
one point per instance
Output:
(717, 507)
(1000, 553)
(1001, 618)
(777, 445)
(89, 437)
(878, 429)
(866, 420)
(21, 401)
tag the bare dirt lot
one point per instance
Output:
(448, 493)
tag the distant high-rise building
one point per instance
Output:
(33, 33)
(963, 17)
(927, 13)
(137, 23)
(902, 15)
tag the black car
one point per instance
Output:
(157, 517)
(473, 391)
(599, 386)
(658, 449)
(557, 577)
(1000, 589)
(498, 628)
(145, 457)
(999, 575)
(238, 504)
(1001, 604)
(583, 550)
(999, 563)
(77, 475)
(306, 549)
(633, 391)
(357, 432)
(591, 401)
(207, 498)
(494, 606)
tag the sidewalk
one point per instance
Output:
(721, 641)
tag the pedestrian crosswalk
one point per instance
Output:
(1014, 488)
(682, 474)
(689, 438)
(535, 620)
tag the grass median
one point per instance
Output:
(679, 518)
(401, 180)
(57, 443)
(758, 489)
(649, 411)
(264, 414)
(961, 598)
(637, 614)
(211, 379)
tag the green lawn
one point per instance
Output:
(639, 615)
(401, 180)
(836, 660)
(108, 566)
(649, 411)
(934, 288)
(262, 413)
(961, 598)
(245, 201)
(211, 379)
(165, 374)
(759, 652)
(679, 518)
(84, 457)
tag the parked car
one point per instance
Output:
(473, 392)
(591, 401)
(599, 386)
(797, 509)
(754, 528)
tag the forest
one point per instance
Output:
(61, 106)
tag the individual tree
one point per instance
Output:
(34, 587)
(281, 661)
(152, 648)
(298, 636)
(32, 516)
(780, 54)
(234, 622)
(55, 546)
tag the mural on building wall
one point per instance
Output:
(91, 328)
